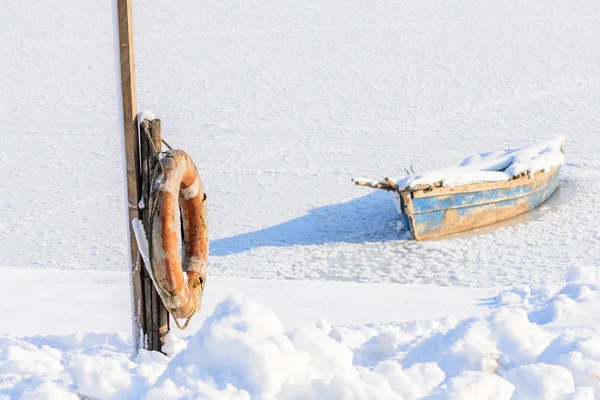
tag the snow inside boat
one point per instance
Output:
(482, 190)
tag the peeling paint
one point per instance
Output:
(450, 213)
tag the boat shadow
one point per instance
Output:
(371, 218)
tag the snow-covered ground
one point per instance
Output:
(532, 344)
(281, 103)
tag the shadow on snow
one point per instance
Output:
(371, 218)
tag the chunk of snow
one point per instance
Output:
(476, 385)
(145, 115)
(541, 381)
(173, 345)
(414, 382)
(495, 166)
(583, 274)
(48, 390)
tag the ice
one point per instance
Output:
(142, 243)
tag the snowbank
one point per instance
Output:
(532, 344)
(494, 166)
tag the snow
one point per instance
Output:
(280, 103)
(106, 291)
(493, 166)
(242, 350)
(476, 385)
(145, 115)
(541, 381)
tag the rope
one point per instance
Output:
(155, 151)
(166, 144)
(187, 322)
(158, 190)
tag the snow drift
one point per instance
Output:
(532, 344)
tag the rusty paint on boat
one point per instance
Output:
(442, 211)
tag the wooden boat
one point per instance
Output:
(431, 211)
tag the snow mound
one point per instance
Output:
(494, 166)
(532, 344)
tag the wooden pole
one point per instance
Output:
(128, 92)
(150, 317)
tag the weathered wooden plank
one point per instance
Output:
(156, 137)
(157, 317)
(145, 170)
(160, 314)
(148, 327)
(145, 156)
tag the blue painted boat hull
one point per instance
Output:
(441, 211)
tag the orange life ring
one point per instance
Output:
(176, 185)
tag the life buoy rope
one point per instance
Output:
(179, 273)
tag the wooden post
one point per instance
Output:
(150, 317)
(156, 315)
(128, 92)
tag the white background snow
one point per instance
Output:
(281, 103)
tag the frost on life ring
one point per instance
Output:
(179, 274)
